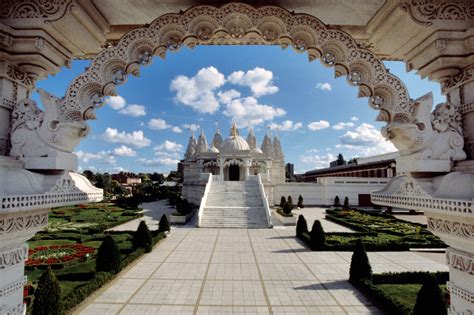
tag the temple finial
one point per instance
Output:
(233, 130)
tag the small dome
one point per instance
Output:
(213, 149)
(234, 143)
(256, 150)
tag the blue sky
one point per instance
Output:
(316, 116)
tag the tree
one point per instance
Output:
(282, 202)
(337, 202)
(429, 299)
(340, 160)
(301, 226)
(346, 203)
(47, 299)
(287, 209)
(317, 236)
(108, 256)
(117, 188)
(300, 202)
(144, 177)
(360, 266)
(103, 181)
(290, 202)
(142, 237)
(164, 224)
(157, 178)
(88, 174)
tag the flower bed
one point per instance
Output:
(57, 255)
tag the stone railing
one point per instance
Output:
(268, 212)
(204, 197)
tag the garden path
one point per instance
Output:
(254, 271)
(318, 213)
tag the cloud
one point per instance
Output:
(324, 86)
(198, 92)
(354, 118)
(318, 161)
(365, 140)
(104, 157)
(318, 125)
(133, 110)
(287, 125)
(169, 146)
(176, 129)
(259, 80)
(247, 111)
(158, 161)
(343, 125)
(158, 124)
(124, 151)
(135, 138)
(116, 102)
(192, 127)
(227, 96)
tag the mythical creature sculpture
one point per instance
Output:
(431, 136)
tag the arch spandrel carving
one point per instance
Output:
(239, 24)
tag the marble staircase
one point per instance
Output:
(234, 204)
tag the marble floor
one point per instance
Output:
(239, 271)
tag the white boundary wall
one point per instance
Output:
(327, 188)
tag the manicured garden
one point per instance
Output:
(69, 249)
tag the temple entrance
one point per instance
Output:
(234, 173)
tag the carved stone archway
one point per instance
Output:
(409, 125)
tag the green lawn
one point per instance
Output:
(404, 293)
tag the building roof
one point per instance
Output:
(235, 143)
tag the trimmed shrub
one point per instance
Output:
(164, 225)
(360, 266)
(337, 202)
(108, 256)
(47, 295)
(290, 202)
(301, 226)
(300, 202)
(142, 237)
(346, 202)
(317, 237)
(282, 202)
(429, 299)
(287, 209)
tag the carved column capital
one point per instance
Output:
(463, 76)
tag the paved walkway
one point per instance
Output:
(203, 271)
(318, 213)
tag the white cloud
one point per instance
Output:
(287, 125)
(158, 124)
(123, 150)
(318, 125)
(158, 161)
(342, 125)
(247, 111)
(133, 110)
(365, 140)
(104, 157)
(259, 80)
(198, 92)
(176, 129)
(227, 96)
(192, 127)
(354, 118)
(116, 102)
(135, 138)
(318, 161)
(324, 86)
(169, 146)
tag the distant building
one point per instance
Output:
(290, 171)
(127, 179)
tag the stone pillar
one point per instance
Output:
(247, 164)
(14, 86)
(220, 162)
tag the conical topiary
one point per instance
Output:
(142, 237)
(360, 266)
(108, 256)
(164, 225)
(301, 226)
(429, 299)
(47, 299)
(346, 202)
(287, 209)
(282, 202)
(300, 202)
(289, 200)
(337, 202)
(317, 237)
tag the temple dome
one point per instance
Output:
(234, 143)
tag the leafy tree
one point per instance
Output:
(337, 202)
(164, 224)
(142, 237)
(287, 208)
(290, 202)
(301, 226)
(47, 299)
(144, 177)
(429, 299)
(103, 181)
(317, 236)
(340, 160)
(346, 202)
(157, 178)
(300, 202)
(282, 202)
(360, 266)
(108, 256)
(353, 161)
(117, 188)
(89, 175)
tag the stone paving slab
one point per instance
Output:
(235, 271)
